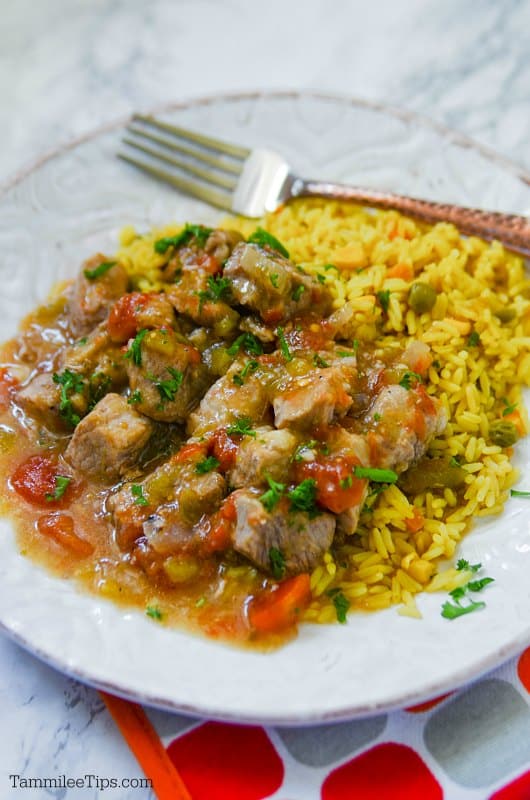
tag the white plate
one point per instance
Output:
(73, 204)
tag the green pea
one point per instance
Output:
(503, 433)
(422, 297)
(506, 314)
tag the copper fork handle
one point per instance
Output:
(513, 230)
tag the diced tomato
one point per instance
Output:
(122, 324)
(189, 452)
(310, 338)
(129, 524)
(416, 522)
(280, 608)
(337, 488)
(208, 263)
(224, 448)
(61, 528)
(34, 480)
(194, 356)
(272, 316)
(219, 533)
(7, 384)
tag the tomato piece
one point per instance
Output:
(337, 488)
(224, 448)
(189, 452)
(61, 528)
(218, 532)
(280, 608)
(34, 480)
(208, 263)
(122, 324)
(129, 525)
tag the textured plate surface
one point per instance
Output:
(73, 204)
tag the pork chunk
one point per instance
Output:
(314, 399)
(403, 422)
(265, 456)
(109, 440)
(272, 285)
(170, 378)
(40, 398)
(301, 540)
(92, 298)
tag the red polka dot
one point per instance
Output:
(516, 790)
(387, 772)
(227, 762)
(417, 709)
(523, 669)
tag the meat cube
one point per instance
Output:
(220, 243)
(109, 440)
(302, 541)
(272, 285)
(92, 297)
(402, 424)
(99, 360)
(225, 402)
(314, 399)
(265, 456)
(166, 376)
(40, 398)
(201, 297)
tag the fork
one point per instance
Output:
(252, 182)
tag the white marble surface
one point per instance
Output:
(67, 66)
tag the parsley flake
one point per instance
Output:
(318, 361)
(239, 377)
(218, 288)
(135, 350)
(61, 485)
(510, 407)
(303, 497)
(298, 292)
(375, 474)
(207, 465)
(135, 397)
(97, 272)
(473, 339)
(168, 388)
(138, 494)
(452, 611)
(243, 427)
(200, 232)
(263, 238)
(277, 563)
(70, 383)
(346, 483)
(284, 347)
(248, 342)
(153, 612)
(410, 379)
(274, 278)
(462, 564)
(516, 493)
(270, 499)
(341, 603)
(384, 299)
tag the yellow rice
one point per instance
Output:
(384, 563)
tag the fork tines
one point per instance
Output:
(199, 165)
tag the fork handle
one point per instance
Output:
(513, 230)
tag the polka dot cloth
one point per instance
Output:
(473, 744)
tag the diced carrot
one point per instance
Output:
(516, 418)
(403, 271)
(278, 609)
(60, 528)
(122, 323)
(416, 522)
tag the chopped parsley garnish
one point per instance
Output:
(321, 278)
(305, 447)
(410, 379)
(135, 397)
(168, 388)
(341, 603)
(377, 417)
(98, 385)
(70, 383)
(83, 341)
(248, 342)
(98, 271)
(138, 494)
(510, 407)
(344, 354)
(135, 350)
(243, 427)
(207, 465)
(346, 483)
(218, 287)
(375, 474)
(462, 564)
(303, 497)
(263, 238)
(153, 612)
(200, 602)
(284, 347)
(273, 495)
(516, 493)
(473, 339)
(454, 461)
(318, 361)
(61, 484)
(298, 292)
(457, 609)
(277, 563)
(327, 267)
(384, 299)
(239, 377)
(274, 278)
(200, 232)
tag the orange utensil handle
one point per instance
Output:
(513, 230)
